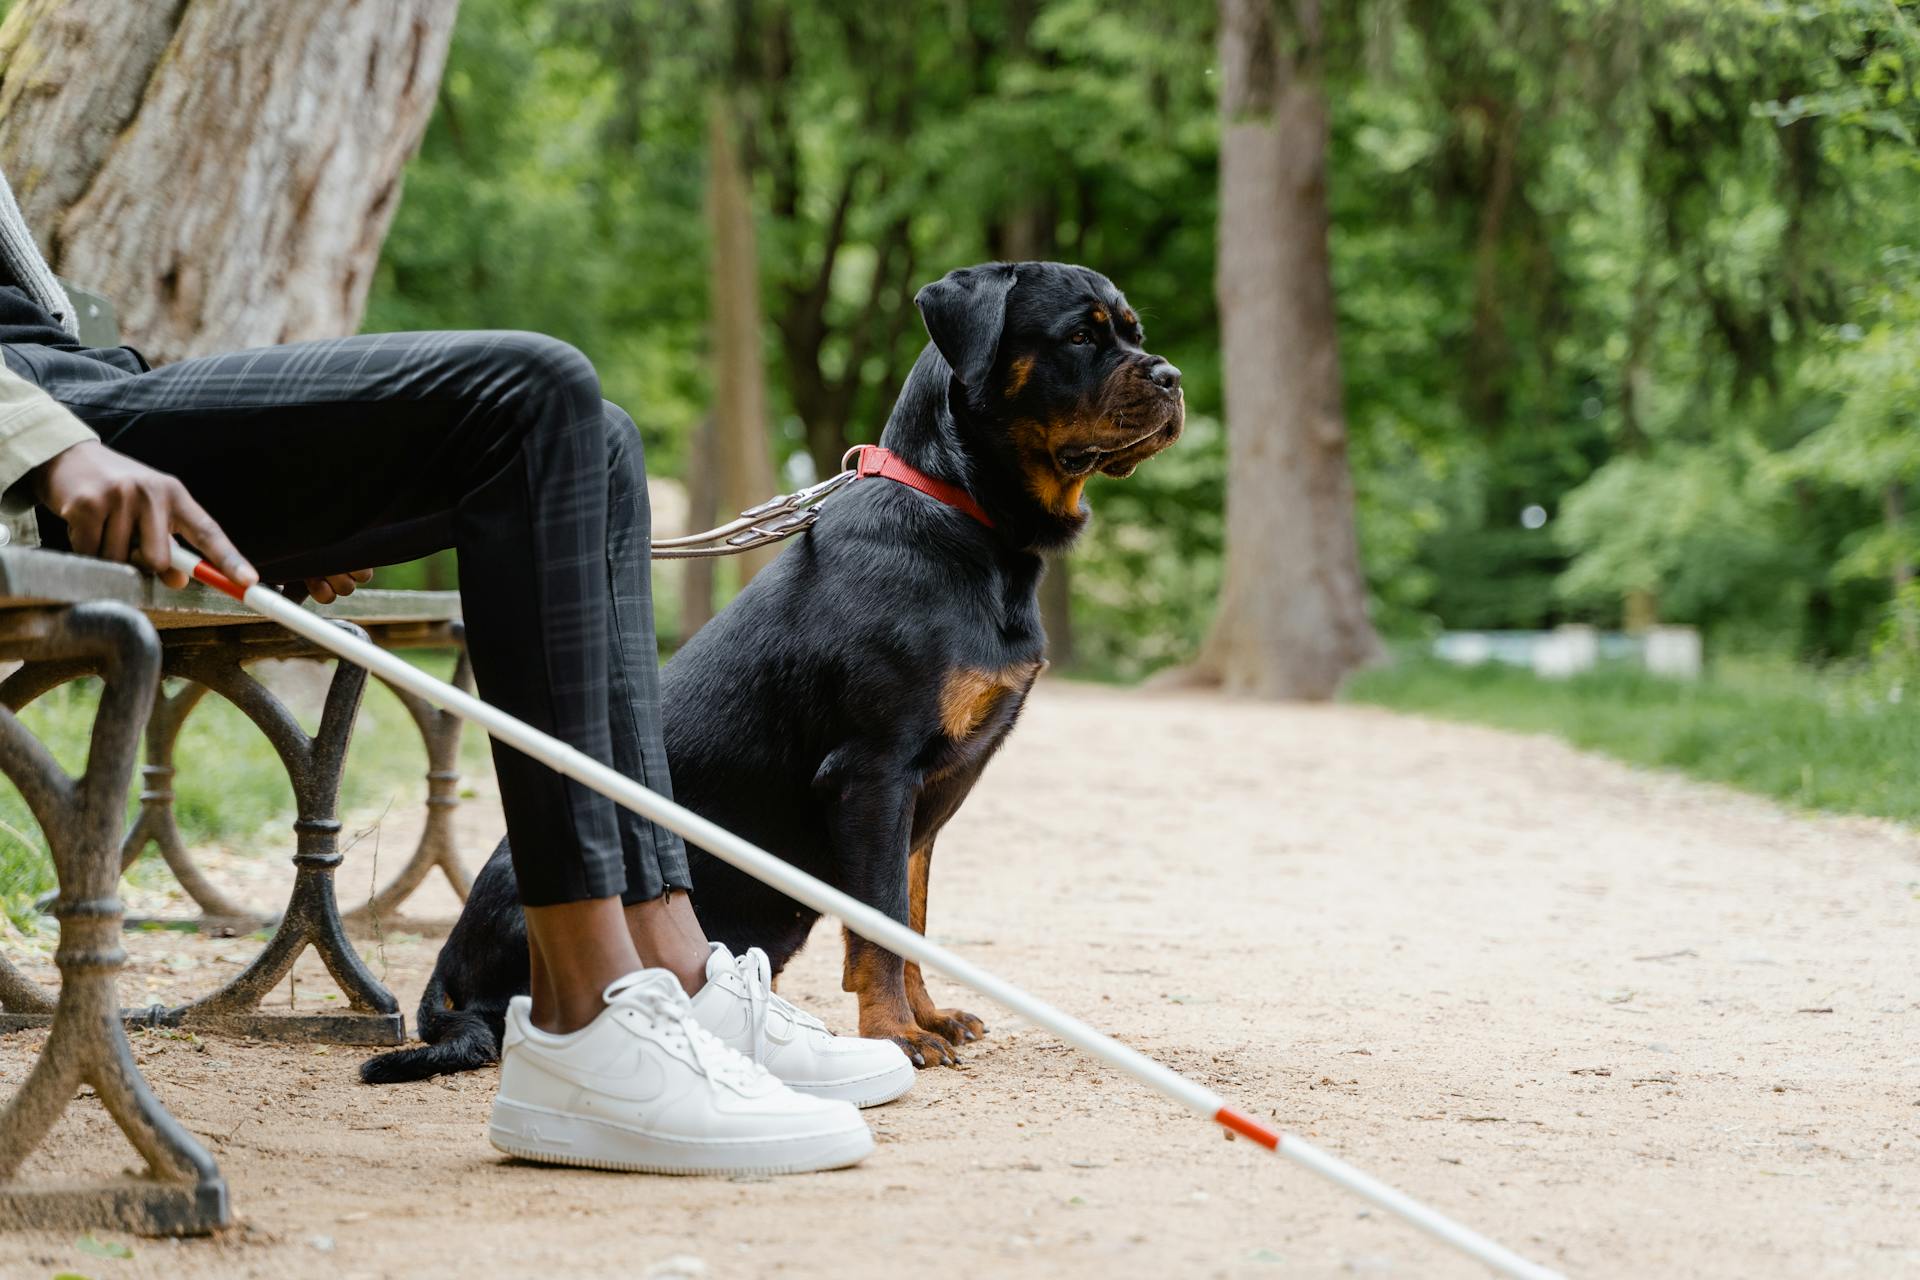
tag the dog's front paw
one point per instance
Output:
(956, 1026)
(924, 1048)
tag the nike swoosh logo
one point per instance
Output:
(646, 1080)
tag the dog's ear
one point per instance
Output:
(965, 311)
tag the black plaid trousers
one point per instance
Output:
(322, 457)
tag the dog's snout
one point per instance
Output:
(1165, 375)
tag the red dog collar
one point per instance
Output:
(872, 460)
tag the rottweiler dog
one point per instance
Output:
(841, 708)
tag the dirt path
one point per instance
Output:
(1630, 1025)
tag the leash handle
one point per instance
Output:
(864, 920)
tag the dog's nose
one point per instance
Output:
(1166, 376)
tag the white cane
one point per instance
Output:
(857, 916)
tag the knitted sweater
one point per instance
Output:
(21, 259)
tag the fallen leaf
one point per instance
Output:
(90, 1243)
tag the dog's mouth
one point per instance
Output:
(1080, 460)
(1118, 458)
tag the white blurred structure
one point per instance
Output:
(1673, 651)
(1565, 652)
(1574, 648)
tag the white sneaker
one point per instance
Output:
(738, 1005)
(644, 1087)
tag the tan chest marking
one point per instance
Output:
(1036, 440)
(969, 695)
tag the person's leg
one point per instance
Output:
(659, 912)
(577, 950)
(322, 457)
(330, 456)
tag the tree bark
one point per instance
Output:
(696, 575)
(1292, 619)
(1895, 498)
(224, 170)
(743, 458)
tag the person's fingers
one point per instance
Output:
(83, 526)
(116, 538)
(343, 583)
(362, 575)
(190, 518)
(155, 552)
(321, 589)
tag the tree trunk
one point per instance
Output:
(1895, 498)
(703, 488)
(1292, 619)
(742, 458)
(224, 170)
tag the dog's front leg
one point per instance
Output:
(871, 821)
(956, 1025)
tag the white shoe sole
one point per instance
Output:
(554, 1137)
(867, 1091)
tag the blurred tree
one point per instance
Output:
(224, 170)
(739, 449)
(1768, 160)
(1293, 607)
(846, 93)
(1600, 271)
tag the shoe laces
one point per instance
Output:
(658, 997)
(756, 972)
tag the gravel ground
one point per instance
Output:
(1627, 1024)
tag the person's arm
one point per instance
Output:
(115, 507)
(33, 428)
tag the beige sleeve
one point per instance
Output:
(33, 428)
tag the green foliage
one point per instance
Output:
(1840, 742)
(558, 189)
(1698, 527)
(1647, 267)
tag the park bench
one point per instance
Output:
(63, 617)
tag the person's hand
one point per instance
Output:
(120, 509)
(328, 589)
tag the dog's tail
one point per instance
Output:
(456, 1040)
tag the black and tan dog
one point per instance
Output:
(840, 709)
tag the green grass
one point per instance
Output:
(230, 786)
(1843, 743)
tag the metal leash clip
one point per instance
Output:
(776, 519)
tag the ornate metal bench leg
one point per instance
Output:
(25, 1002)
(440, 731)
(155, 822)
(312, 917)
(21, 995)
(183, 1192)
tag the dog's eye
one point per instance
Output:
(1080, 338)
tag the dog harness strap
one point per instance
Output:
(872, 460)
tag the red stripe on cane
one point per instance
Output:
(1247, 1127)
(218, 580)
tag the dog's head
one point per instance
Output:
(1057, 380)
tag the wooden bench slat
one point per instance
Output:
(31, 576)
